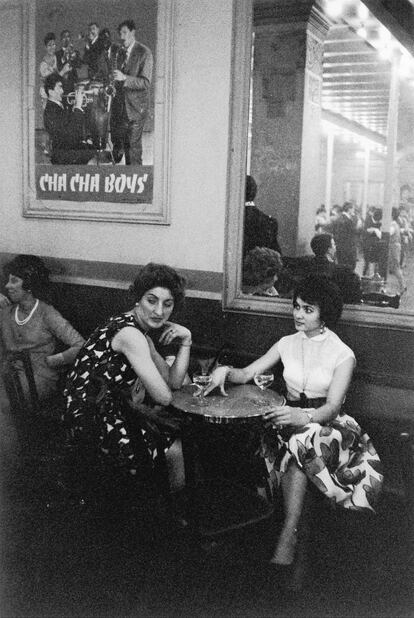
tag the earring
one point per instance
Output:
(322, 328)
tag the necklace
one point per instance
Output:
(305, 377)
(305, 374)
(21, 322)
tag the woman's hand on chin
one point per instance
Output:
(175, 331)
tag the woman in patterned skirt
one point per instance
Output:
(119, 377)
(309, 438)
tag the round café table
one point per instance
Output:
(217, 505)
(244, 403)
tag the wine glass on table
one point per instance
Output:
(201, 381)
(263, 381)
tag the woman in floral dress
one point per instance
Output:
(119, 377)
(309, 439)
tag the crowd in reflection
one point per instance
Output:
(365, 262)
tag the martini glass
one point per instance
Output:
(263, 381)
(201, 381)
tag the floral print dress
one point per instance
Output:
(107, 410)
(338, 457)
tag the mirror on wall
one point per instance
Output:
(323, 172)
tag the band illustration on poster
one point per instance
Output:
(94, 101)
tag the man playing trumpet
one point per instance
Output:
(65, 126)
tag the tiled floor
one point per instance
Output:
(63, 558)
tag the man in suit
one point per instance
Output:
(93, 49)
(108, 58)
(67, 54)
(65, 125)
(348, 282)
(344, 230)
(130, 105)
(260, 230)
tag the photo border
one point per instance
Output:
(157, 212)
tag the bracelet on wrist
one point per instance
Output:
(310, 417)
(186, 345)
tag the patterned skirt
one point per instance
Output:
(339, 458)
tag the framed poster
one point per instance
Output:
(97, 98)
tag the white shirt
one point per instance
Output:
(128, 52)
(309, 363)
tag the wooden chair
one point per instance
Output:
(76, 472)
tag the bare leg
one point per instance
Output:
(175, 466)
(294, 483)
(176, 479)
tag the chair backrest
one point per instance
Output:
(12, 377)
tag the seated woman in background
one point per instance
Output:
(310, 439)
(261, 268)
(120, 355)
(33, 325)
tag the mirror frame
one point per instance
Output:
(156, 212)
(233, 298)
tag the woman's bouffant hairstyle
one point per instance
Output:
(260, 265)
(32, 270)
(319, 290)
(159, 275)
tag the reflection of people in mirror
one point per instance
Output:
(344, 230)
(372, 240)
(65, 125)
(260, 230)
(406, 221)
(348, 282)
(394, 258)
(130, 105)
(261, 268)
(324, 263)
(49, 64)
(321, 219)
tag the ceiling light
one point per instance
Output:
(362, 32)
(334, 8)
(362, 11)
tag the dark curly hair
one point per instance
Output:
(50, 36)
(159, 275)
(260, 265)
(51, 81)
(319, 290)
(32, 270)
(321, 243)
